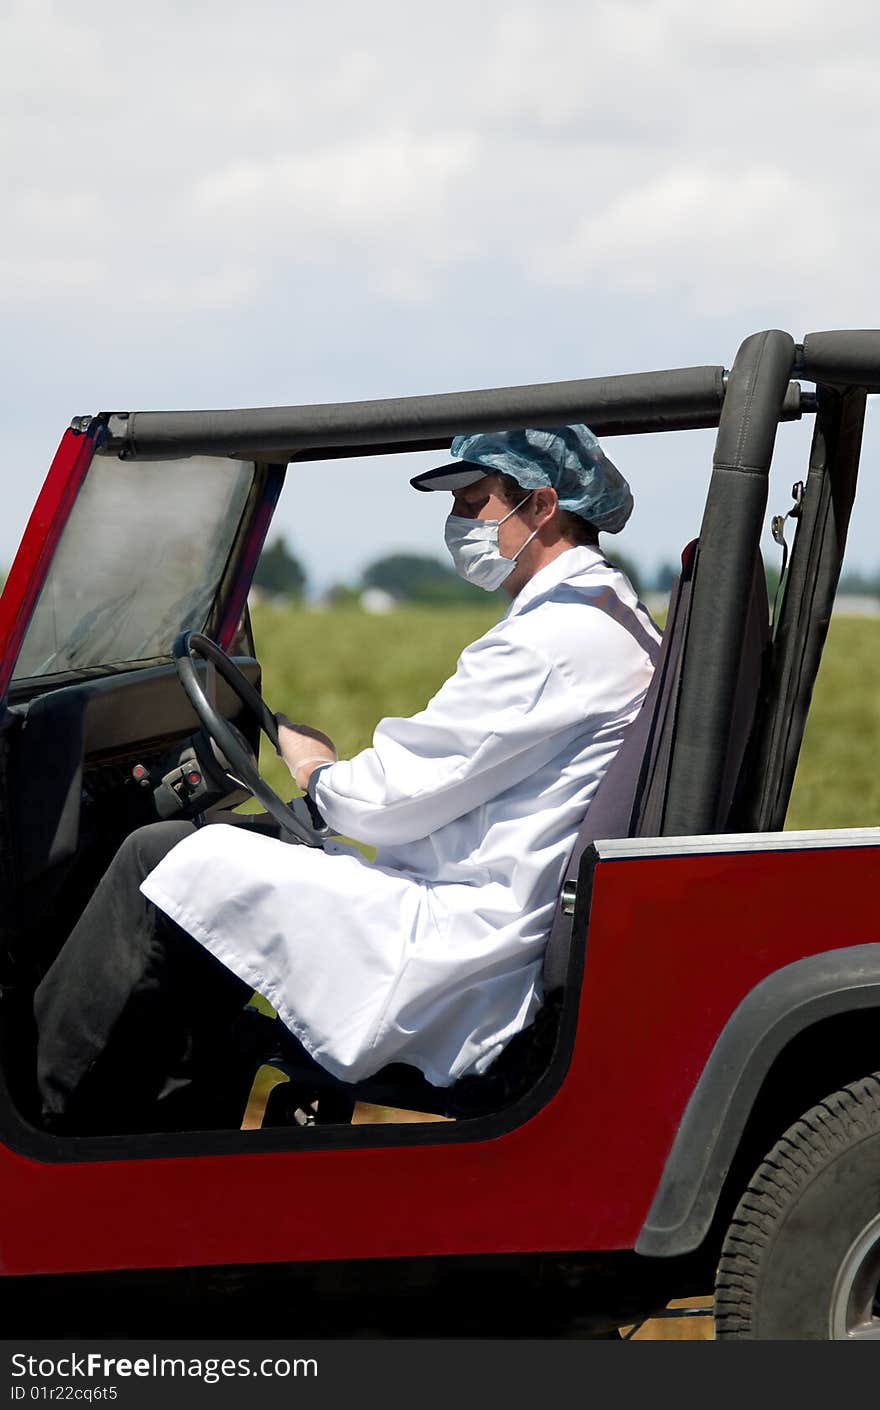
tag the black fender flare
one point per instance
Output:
(783, 1005)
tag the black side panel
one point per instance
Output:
(65, 729)
(752, 669)
(9, 726)
(647, 816)
(729, 544)
(806, 608)
(48, 782)
(775, 1012)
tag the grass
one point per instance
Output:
(343, 670)
(838, 781)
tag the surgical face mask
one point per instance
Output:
(476, 556)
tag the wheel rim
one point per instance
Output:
(855, 1297)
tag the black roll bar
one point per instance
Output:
(805, 615)
(729, 539)
(850, 358)
(681, 399)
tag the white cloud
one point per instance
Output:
(706, 235)
(356, 196)
(384, 203)
(361, 188)
(28, 279)
(619, 142)
(228, 286)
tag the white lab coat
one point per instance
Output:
(432, 954)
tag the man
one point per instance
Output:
(432, 954)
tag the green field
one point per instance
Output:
(838, 779)
(342, 670)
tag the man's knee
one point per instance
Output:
(144, 848)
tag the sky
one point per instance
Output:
(212, 205)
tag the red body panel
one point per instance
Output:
(45, 527)
(674, 944)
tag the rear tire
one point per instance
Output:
(801, 1260)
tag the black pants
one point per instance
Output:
(134, 1016)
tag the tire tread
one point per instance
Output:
(822, 1133)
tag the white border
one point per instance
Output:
(616, 849)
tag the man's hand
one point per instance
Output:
(303, 749)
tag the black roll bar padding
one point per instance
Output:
(850, 358)
(729, 543)
(630, 403)
(795, 405)
(688, 398)
(805, 609)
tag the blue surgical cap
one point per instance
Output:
(569, 458)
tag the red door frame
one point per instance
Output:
(37, 548)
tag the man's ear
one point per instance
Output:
(545, 503)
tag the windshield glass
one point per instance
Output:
(139, 561)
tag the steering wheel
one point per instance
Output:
(226, 737)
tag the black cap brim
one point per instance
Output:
(453, 476)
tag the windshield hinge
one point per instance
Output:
(777, 529)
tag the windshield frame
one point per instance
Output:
(37, 552)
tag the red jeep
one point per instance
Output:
(702, 1090)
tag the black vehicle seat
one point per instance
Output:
(629, 802)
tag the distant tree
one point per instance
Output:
(860, 584)
(279, 573)
(342, 595)
(415, 577)
(627, 566)
(450, 591)
(664, 577)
